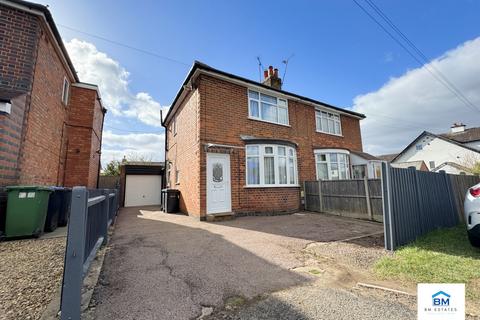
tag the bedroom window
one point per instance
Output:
(267, 108)
(271, 165)
(328, 122)
(332, 165)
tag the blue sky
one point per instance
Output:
(339, 53)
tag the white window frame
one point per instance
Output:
(327, 153)
(259, 103)
(261, 160)
(328, 116)
(65, 91)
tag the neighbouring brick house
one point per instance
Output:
(236, 146)
(50, 122)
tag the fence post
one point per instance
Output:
(387, 208)
(106, 214)
(367, 197)
(73, 269)
(320, 197)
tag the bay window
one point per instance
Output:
(328, 122)
(267, 108)
(271, 165)
(332, 164)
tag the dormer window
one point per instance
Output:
(267, 108)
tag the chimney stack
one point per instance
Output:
(271, 78)
(457, 127)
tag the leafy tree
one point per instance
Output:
(112, 168)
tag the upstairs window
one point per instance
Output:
(267, 108)
(65, 91)
(332, 165)
(271, 165)
(328, 122)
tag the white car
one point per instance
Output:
(471, 210)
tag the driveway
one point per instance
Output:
(163, 266)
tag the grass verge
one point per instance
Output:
(441, 256)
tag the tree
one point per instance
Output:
(112, 168)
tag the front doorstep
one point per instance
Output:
(222, 216)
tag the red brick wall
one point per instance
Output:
(18, 46)
(18, 50)
(44, 145)
(84, 138)
(10, 140)
(223, 112)
(183, 153)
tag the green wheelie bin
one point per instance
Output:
(26, 210)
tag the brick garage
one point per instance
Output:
(212, 109)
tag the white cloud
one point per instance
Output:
(146, 145)
(113, 80)
(416, 101)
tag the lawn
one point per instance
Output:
(444, 256)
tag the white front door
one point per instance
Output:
(218, 183)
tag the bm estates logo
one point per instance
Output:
(441, 301)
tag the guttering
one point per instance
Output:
(43, 12)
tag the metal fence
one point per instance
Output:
(416, 202)
(92, 211)
(361, 199)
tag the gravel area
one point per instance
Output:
(317, 302)
(360, 253)
(30, 274)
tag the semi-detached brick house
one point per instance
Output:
(50, 122)
(236, 146)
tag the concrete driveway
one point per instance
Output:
(163, 266)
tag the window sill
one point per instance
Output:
(271, 186)
(331, 134)
(271, 122)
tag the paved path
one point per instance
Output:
(162, 266)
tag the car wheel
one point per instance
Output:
(475, 241)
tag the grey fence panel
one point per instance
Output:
(415, 203)
(91, 213)
(460, 184)
(351, 198)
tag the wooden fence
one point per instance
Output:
(460, 185)
(109, 182)
(361, 199)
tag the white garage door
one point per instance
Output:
(142, 190)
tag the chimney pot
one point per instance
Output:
(270, 71)
(265, 74)
(275, 72)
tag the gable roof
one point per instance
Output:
(436, 136)
(200, 66)
(41, 10)
(468, 135)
